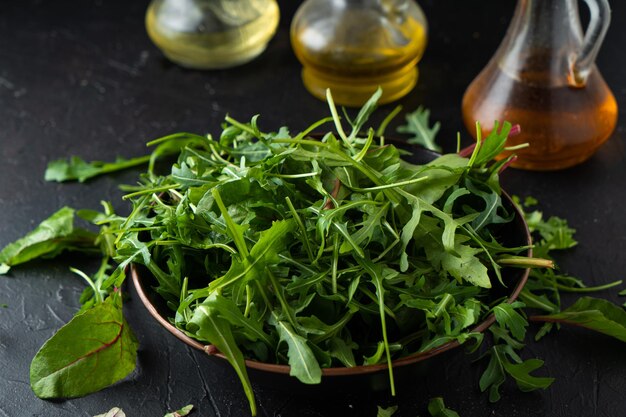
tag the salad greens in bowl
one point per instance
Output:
(326, 254)
(309, 254)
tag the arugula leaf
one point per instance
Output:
(94, 350)
(462, 264)
(342, 351)
(229, 311)
(78, 169)
(521, 373)
(508, 317)
(594, 314)
(113, 412)
(504, 361)
(386, 412)
(377, 356)
(377, 274)
(182, 412)
(53, 236)
(364, 113)
(207, 324)
(302, 360)
(417, 124)
(437, 408)
(263, 253)
(492, 145)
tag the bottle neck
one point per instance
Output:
(541, 39)
(548, 22)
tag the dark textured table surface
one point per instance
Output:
(81, 77)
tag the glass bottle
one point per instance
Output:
(354, 46)
(207, 34)
(543, 77)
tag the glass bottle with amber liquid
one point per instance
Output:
(355, 46)
(543, 77)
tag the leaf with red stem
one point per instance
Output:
(94, 350)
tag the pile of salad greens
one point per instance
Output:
(312, 252)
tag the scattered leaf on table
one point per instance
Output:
(594, 314)
(386, 412)
(80, 170)
(437, 408)
(53, 235)
(113, 412)
(182, 412)
(94, 350)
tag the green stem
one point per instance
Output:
(89, 281)
(230, 224)
(241, 126)
(524, 262)
(336, 118)
(311, 128)
(281, 299)
(373, 297)
(383, 126)
(588, 289)
(335, 262)
(305, 240)
(386, 186)
(151, 191)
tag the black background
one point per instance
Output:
(81, 77)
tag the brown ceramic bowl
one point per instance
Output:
(514, 234)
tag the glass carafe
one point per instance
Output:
(354, 46)
(206, 34)
(543, 77)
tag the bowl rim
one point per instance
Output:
(344, 371)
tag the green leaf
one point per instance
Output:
(207, 324)
(417, 124)
(508, 317)
(521, 373)
(489, 214)
(53, 235)
(229, 311)
(376, 357)
(504, 361)
(113, 412)
(493, 376)
(364, 113)
(264, 253)
(437, 408)
(78, 169)
(493, 144)
(462, 264)
(386, 412)
(182, 412)
(94, 350)
(594, 314)
(442, 174)
(302, 361)
(407, 233)
(377, 274)
(342, 351)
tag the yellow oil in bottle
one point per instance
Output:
(354, 57)
(563, 125)
(191, 41)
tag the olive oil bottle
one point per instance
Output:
(355, 46)
(208, 34)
